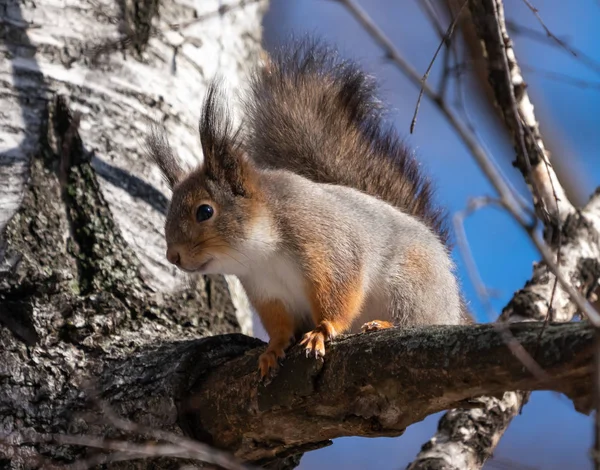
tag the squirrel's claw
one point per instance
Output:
(270, 361)
(314, 341)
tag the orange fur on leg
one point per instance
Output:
(335, 304)
(376, 325)
(279, 324)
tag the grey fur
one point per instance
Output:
(315, 115)
(362, 232)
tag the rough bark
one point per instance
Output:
(579, 261)
(516, 110)
(83, 281)
(356, 393)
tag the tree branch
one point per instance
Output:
(579, 263)
(517, 112)
(355, 392)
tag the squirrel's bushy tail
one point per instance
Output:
(317, 115)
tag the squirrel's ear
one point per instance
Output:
(224, 159)
(158, 148)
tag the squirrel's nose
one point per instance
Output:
(173, 256)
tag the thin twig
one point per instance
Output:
(202, 451)
(443, 41)
(549, 33)
(429, 9)
(485, 164)
(562, 78)
(531, 33)
(450, 52)
(446, 71)
(460, 67)
(465, 250)
(130, 451)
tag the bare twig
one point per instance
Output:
(541, 37)
(460, 67)
(549, 33)
(127, 450)
(479, 154)
(429, 9)
(182, 445)
(204, 452)
(450, 55)
(465, 250)
(563, 78)
(443, 41)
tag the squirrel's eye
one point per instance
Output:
(204, 212)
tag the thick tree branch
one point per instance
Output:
(209, 387)
(375, 385)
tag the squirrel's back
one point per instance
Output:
(316, 115)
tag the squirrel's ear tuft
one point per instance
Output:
(224, 158)
(158, 148)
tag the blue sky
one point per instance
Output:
(549, 434)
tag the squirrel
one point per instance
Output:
(319, 209)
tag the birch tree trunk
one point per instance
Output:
(83, 278)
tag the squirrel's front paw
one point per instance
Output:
(376, 325)
(314, 341)
(268, 362)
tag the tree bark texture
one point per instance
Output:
(355, 392)
(83, 281)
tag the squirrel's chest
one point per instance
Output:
(279, 279)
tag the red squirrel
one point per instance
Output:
(314, 204)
